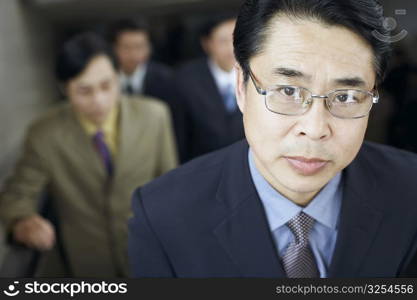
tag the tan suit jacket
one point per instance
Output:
(91, 209)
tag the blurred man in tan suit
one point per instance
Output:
(89, 155)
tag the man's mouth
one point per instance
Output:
(306, 166)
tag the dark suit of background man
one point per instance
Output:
(302, 196)
(206, 91)
(89, 154)
(138, 74)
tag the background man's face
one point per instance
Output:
(323, 54)
(219, 46)
(95, 92)
(132, 48)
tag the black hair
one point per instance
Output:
(360, 16)
(124, 25)
(210, 25)
(77, 53)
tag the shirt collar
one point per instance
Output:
(324, 208)
(108, 126)
(137, 77)
(223, 79)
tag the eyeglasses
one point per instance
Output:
(294, 100)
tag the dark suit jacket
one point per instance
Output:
(205, 219)
(206, 125)
(158, 82)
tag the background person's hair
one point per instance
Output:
(138, 25)
(211, 24)
(78, 52)
(360, 16)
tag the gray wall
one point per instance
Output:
(26, 83)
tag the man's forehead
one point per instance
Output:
(305, 36)
(308, 45)
(224, 28)
(86, 82)
(99, 70)
(132, 35)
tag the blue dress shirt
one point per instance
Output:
(324, 208)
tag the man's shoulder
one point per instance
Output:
(388, 158)
(159, 70)
(51, 120)
(145, 105)
(393, 170)
(193, 67)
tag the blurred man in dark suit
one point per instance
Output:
(303, 195)
(206, 91)
(89, 154)
(138, 73)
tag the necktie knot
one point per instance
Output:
(229, 98)
(301, 225)
(129, 89)
(228, 91)
(99, 136)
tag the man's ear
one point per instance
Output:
(240, 88)
(204, 44)
(63, 89)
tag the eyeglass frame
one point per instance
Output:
(264, 92)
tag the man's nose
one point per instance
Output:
(315, 123)
(99, 98)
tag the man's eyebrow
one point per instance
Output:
(288, 72)
(352, 82)
(348, 81)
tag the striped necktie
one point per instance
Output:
(298, 260)
(103, 150)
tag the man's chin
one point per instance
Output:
(298, 183)
(97, 120)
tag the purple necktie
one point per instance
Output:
(104, 151)
(298, 260)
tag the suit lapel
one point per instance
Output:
(244, 233)
(148, 81)
(359, 220)
(130, 132)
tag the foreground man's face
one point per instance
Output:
(281, 144)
